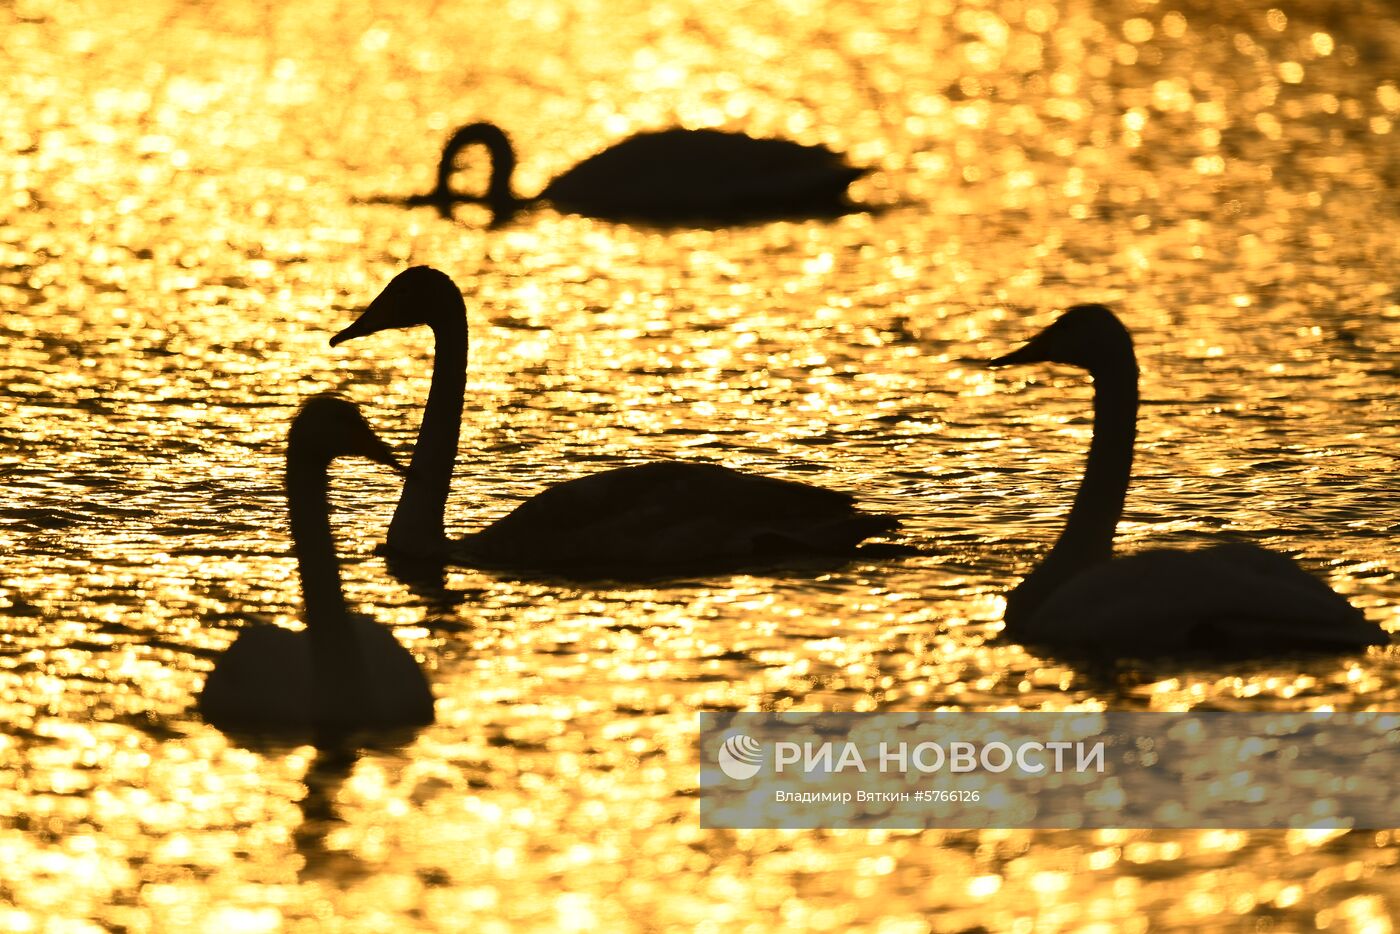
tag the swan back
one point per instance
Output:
(674, 517)
(682, 174)
(1226, 599)
(265, 682)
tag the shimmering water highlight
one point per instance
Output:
(184, 224)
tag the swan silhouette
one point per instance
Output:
(1229, 599)
(674, 176)
(633, 522)
(343, 673)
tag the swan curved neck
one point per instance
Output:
(500, 196)
(317, 565)
(1088, 534)
(417, 526)
(337, 668)
(1087, 538)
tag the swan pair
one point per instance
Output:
(674, 176)
(345, 673)
(684, 517)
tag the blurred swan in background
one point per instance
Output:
(630, 522)
(1231, 598)
(343, 672)
(674, 176)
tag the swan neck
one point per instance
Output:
(1087, 538)
(317, 565)
(417, 526)
(1093, 519)
(500, 195)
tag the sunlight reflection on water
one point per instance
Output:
(180, 236)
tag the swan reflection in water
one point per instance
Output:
(628, 523)
(343, 673)
(667, 177)
(1228, 599)
(325, 856)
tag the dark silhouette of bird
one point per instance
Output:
(1230, 599)
(343, 673)
(643, 521)
(674, 177)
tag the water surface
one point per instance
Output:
(183, 224)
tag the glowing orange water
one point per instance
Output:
(179, 237)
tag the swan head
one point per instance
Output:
(327, 427)
(420, 295)
(1086, 336)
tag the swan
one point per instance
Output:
(343, 672)
(1230, 598)
(674, 176)
(630, 522)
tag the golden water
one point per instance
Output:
(182, 227)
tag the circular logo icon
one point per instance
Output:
(740, 757)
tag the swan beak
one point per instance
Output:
(376, 450)
(1033, 351)
(379, 316)
(363, 442)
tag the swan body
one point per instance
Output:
(342, 673)
(674, 176)
(652, 518)
(263, 682)
(639, 521)
(1232, 598)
